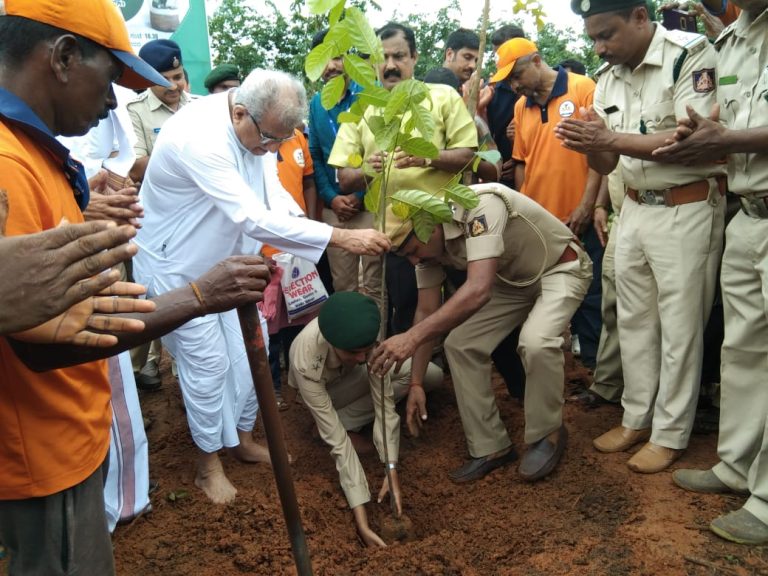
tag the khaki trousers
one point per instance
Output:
(346, 267)
(743, 442)
(608, 377)
(666, 266)
(544, 310)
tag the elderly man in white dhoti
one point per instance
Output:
(211, 190)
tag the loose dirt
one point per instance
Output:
(593, 516)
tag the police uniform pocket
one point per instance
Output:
(659, 117)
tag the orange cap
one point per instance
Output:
(96, 20)
(509, 53)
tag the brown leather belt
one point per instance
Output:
(677, 195)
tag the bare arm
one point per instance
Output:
(310, 197)
(231, 283)
(519, 175)
(138, 169)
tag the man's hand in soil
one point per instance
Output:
(75, 325)
(395, 491)
(44, 274)
(368, 536)
(416, 409)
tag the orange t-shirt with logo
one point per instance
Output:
(54, 426)
(555, 177)
(294, 163)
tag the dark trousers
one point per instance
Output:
(281, 342)
(587, 321)
(402, 293)
(64, 534)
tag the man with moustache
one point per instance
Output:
(742, 72)
(455, 137)
(461, 50)
(670, 240)
(340, 209)
(212, 190)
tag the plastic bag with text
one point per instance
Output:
(303, 289)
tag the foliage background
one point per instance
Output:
(280, 39)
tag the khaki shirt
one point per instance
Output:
(454, 128)
(742, 90)
(148, 114)
(314, 366)
(487, 231)
(649, 100)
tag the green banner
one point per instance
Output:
(183, 21)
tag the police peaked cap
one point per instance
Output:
(586, 8)
(162, 55)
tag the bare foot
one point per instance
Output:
(250, 451)
(210, 478)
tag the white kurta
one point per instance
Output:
(205, 198)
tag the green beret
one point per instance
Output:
(586, 8)
(349, 320)
(221, 73)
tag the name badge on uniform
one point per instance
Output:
(156, 130)
(478, 226)
(704, 80)
(728, 80)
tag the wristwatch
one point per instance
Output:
(427, 162)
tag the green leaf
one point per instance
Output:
(335, 13)
(461, 195)
(338, 35)
(320, 6)
(423, 120)
(363, 36)
(491, 156)
(374, 96)
(355, 160)
(402, 211)
(423, 226)
(348, 117)
(359, 70)
(397, 105)
(420, 201)
(386, 138)
(373, 195)
(332, 92)
(420, 147)
(317, 59)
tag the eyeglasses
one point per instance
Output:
(267, 138)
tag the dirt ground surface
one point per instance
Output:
(593, 516)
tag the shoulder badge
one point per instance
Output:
(478, 226)
(692, 42)
(727, 31)
(604, 67)
(704, 80)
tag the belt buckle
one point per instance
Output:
(754, 206)
(651, 197)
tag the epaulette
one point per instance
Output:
(691, 42)
(139, 97)
(604, 67)
(727, 31)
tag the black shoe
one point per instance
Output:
(477, 468)
(153, 486)
(147, 383)
(542, 457)
(588, 399)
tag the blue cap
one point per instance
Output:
(162, 55)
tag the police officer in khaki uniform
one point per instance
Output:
(670, 239)
(524, 267)
(742, 73)
(154, 106)
(328, 368)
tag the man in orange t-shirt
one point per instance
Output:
(550, 174)
(58, 60)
